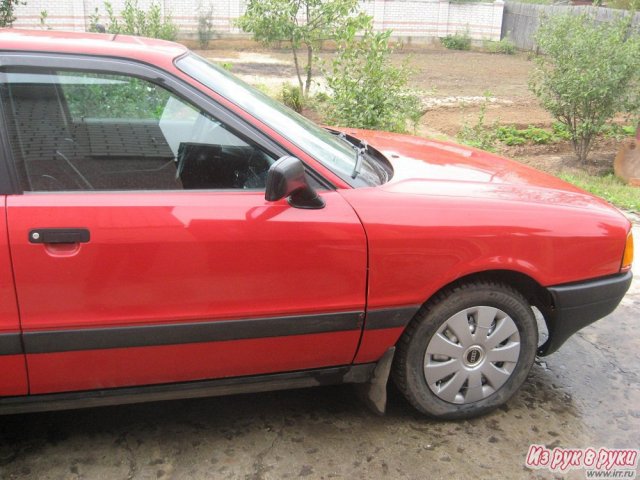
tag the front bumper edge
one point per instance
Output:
(577, 305)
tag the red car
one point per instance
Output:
(168, 231)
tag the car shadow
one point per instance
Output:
(308, 411)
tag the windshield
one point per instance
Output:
(327, 148)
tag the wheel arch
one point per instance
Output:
(515, 293)
(375, 342)
(535, 294)
(528, 287)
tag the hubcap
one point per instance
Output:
(472, 355)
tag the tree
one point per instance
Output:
(305, 24)
(7, 11)
(205, 25)
(588, 73)
(367, 90)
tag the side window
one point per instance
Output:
(73, 130)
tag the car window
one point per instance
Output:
(327, 148)
(72, 130)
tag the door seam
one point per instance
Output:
(15, 292)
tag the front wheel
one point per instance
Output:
(467, 351)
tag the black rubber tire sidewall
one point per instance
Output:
(412, 347)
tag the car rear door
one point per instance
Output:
(137, 263)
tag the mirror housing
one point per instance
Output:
(287, 178)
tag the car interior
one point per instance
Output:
(56, 151)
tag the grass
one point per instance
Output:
(504, 46)
(459, 41)
(609, 187)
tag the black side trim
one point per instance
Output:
(215, 331)
(10, 344)
(579, 304)
(209, 388)
(389, 317)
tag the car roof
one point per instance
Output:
(148, 50)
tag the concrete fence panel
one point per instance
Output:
(407, 18)
(521, 20)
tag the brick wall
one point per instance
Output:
(407, 18)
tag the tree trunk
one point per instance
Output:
(307, 85)
(582, 148)
(297, 65)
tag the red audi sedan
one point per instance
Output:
(170, 232)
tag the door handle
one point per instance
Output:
(59, 235)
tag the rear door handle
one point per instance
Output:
(59, 235)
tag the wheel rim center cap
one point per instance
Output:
(473, 356)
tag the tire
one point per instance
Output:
(448, 368)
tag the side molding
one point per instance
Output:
(380, 318)
(10, 344)
(49, 341)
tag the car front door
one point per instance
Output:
(13, 372)
(143, 249)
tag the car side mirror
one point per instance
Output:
(287, 178)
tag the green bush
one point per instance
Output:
(459, 41)
(137, 21)
(366, 89)
(504, 46)
(479, 135)
(618, 131)
(7, 10)
(510, 135)
(588, 73)
(292, 97)
(205, 26)
(44, 15)
(560, 131)
(320, 98)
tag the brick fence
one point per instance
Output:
(407, 18)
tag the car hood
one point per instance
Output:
(430, 167)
